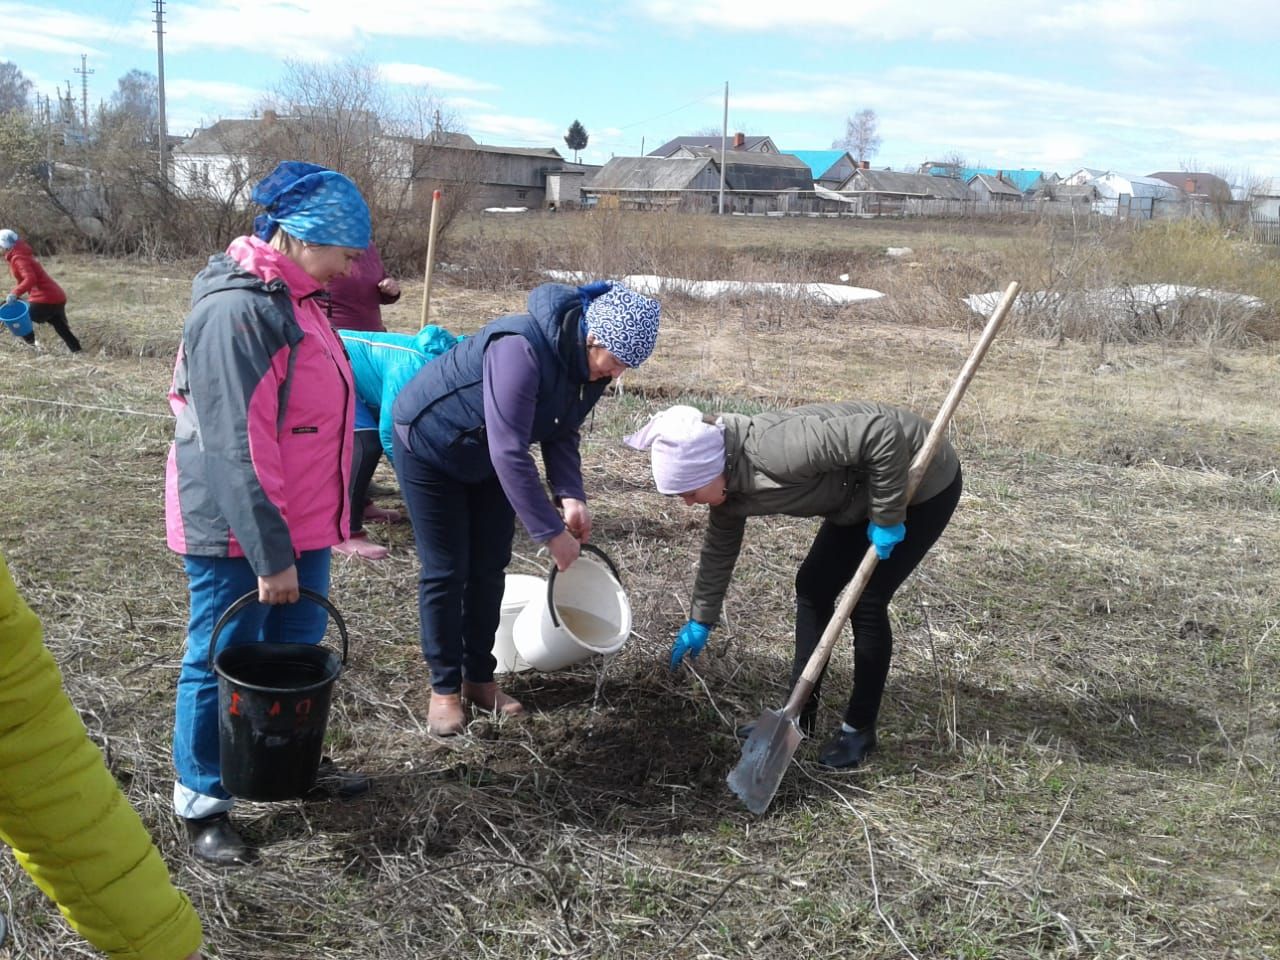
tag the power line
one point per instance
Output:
(702, 100)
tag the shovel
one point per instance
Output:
(768, 751)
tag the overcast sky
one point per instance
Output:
(1131, 85)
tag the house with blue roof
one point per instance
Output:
(830, 168)
(1027, 181)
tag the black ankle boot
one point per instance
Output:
(847, 749)
(333, 781)
(214, 840)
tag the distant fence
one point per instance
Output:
(800, 203)
(1264, 229)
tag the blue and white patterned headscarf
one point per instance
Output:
(625, 323)
(312, 203)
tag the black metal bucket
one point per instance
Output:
(273, 707)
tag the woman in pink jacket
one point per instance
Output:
(256, 485)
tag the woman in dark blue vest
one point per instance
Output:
(463, 428)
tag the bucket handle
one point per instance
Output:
(551, 580)
(252, 596)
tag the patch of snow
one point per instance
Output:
(898, 251)
(506, 209)
(710, 289)
(1122, 299)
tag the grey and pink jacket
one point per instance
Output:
(264, 400)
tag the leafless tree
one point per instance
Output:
(345, 116)
(15, 88)
(860, 136)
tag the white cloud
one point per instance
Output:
(329, 28)
(469, 103)
(993, 117)
(415, 74)
(515, 131)
(1110, 22)
(43, 30)
(231, 95)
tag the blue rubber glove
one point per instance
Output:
(884, 539)
(690, 640)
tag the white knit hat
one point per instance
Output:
(8, 239)
(685, 452)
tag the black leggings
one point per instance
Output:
(55, 315)
(832, 561)
(364, 461)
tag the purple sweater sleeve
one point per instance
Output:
(510, 394)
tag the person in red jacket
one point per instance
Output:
(47, 301)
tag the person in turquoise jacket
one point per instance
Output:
(381, 363)
(61, 811)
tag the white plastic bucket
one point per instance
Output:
(582, 612)
(520, 589)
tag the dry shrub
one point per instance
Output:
(494, 263)
(1089, 283)
(1065, 264)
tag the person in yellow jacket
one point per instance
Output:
(69, 825)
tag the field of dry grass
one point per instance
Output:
(1081, 736)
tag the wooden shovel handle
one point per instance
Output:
(818, 660)
(429, 273)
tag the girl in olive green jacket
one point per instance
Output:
(68, 823)
(844, 462)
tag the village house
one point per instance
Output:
(690, 179)
(829, 168)
(880, 192)
(489, 175)
(989, 189)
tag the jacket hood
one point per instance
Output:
(224, 273)
(260, 258)
(558, 307)
(21, 248)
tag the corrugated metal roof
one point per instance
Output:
(674, 144)
(236, 137)
(906, 185)
(753, 159)
(1024, 180)
(647, 173)
(550, 153)
(818, 161)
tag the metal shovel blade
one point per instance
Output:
(765, 758)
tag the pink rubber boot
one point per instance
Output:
(359, 545)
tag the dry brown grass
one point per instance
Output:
(1081, 740)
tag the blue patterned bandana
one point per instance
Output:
(625, 323)
(312, 203)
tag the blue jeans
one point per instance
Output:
(215, 583)
(463, 534)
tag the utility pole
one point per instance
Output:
(48, 142)
(67, 109)
(164, 124)
(84, 72)
(724, 136)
